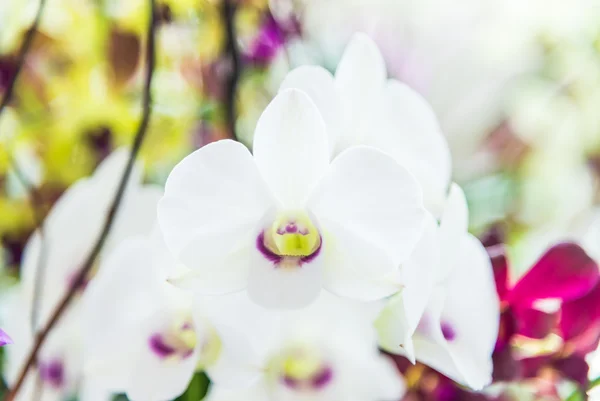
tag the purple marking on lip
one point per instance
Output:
(448, 331)
(290, 382)
(276, 259)
(322, 379)
(260, 245)
(159, 347)
(316, 382)
(53, 373)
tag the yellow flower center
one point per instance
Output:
(292, 235)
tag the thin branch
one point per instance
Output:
(87, 266)
(36, 202)
(234, 64)
(25, 46)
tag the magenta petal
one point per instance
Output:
(534, 323)
(564, 272)
(580, 319)
(4, 338)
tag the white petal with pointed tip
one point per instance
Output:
(471, 309)
(291, 146)
(318, 83)
(409, 131)
(400, 317)
(359, 79)
(453, 226)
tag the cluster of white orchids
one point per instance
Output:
(280, 272)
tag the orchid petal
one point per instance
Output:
(410, 133)
(214, 201)
(276, 286)
(564, 272)
(291, 147)
(359, 80)
(535, 323)
(468, 320)
(318, 83)
(453, 225)
(384, 228)
(400, 318)
(580, 318)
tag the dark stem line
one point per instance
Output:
(234, 64)
(33, 195)
(89, 262)
(36, 202)
(22, 55)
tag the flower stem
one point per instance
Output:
(89, 262)
(22, 55)
(234, 65)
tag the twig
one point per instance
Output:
(137, 143)
(25, 45)
(234, 64)
(36, 201)
(40, 271)
(33, 195)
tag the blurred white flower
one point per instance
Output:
(327, 351)
(145, 337)
(460, 55)
(138, 332)
(458, 330)
(58, 375)
(361, 106)
(69, 233)
(286, 222)
(75, 222)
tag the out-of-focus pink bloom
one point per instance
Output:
(269, 40)
(564, 273)
(4, 338)
(580, 321)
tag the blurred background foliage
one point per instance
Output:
(516, 87)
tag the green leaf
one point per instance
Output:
(197, 388)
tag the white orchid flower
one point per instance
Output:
(73, 226)
(139, 334)
(57, 376)
(327, 351)
(398, 121)
(457, 332)
(146, 338)
(70, 231)
(285, 222)
(362, 107)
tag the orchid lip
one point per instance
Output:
(280, 260)
(290, 241)
(316, 382)
(180, 342)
